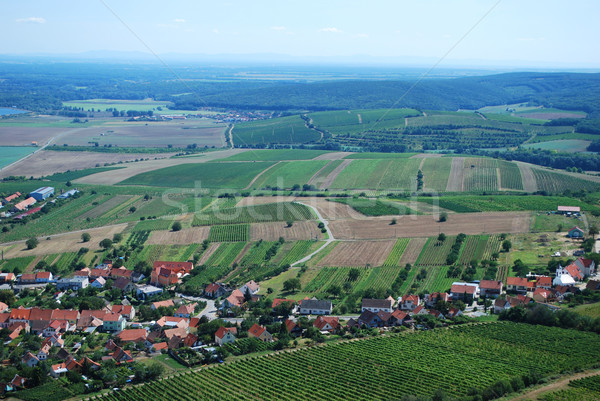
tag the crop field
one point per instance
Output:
(319, 179)
(510, 175)
(562, 145)
(152, 225)
(194, 235)
(412, 251)
(298, 251)
(330, 276)
(553, 222)
(10, 154)
(585, 389)
(229, 233)
(283, 211)
(395, 255)
(275, 155)
(204, 275)
(105, 206)
(16, 265)
(377, 155)
(480, 174)
(212, 248)
(225, 254)
(287, 130)
(201, 175)
(360, 253)
(359, 121)
(375, 207)
(473, 249)
(490, 203)
(435, 252)
(556, 183)
(436, 171)
(458, 360)
(300, 230)
(19, 135)
(287, 174)
(379, 174)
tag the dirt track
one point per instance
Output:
(556, 385)
(412, 251)
(529, 182)
(428, 226)
(333, 175)
(333, 156)
(455, 181)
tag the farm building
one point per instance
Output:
(23, 205)
(575, 232)
(315, 307)
(68, 194)
(42, 193)
(568, 210)
(11, 198)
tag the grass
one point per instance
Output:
(436, 171)
(201, 175)
(591, 310)
(562, 145)
(552, 222)
(375, 155)
(10, 154)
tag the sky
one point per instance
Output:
(541, 33)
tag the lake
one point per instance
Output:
(4, 111)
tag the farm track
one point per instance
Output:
(316, 175)
(259, 175)
(333, 175)
(555, 385)
(529, 182)
(333, 156)
(329, 240)
(455, 181)
(194, 235)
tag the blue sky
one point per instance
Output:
(543, 33)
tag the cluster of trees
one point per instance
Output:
(540, 314)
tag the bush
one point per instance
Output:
(86, 237)
(32, 243)
(176, 226)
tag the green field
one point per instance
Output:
(201, 175)
(398, 174)
(10, 154)
(436, 171)
(284, 130)
(375, 207)
(562, 145)
(288, 174)
(552, 222)
(510, 175)
(556, 183)
(591, 310)
(480, 174)
(282, 211)
(455, 360)
(275, 155)
(358, 121)
(376, 155)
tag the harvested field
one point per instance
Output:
(359, 253)
(333, 156)
(130, 170)
(551, 116)
(23, 136)
(333, 175)
(455, 181)
(332, 210)
(412, 251)
(47, 162)
(301, 230)
(428, 226)
(105, 207)
(529, 181)
(208, 253)
(263, 200)
(194, 235)
(62, 243)
(426, 155)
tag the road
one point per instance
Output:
(210, 311)
(329, 240)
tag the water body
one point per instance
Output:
(4, 111)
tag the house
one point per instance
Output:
(180, 332)
(292, 327)
(563, 277)
(68, 194)
(4, 320)
(85, 272)
(568, 210)
(166, 273)
(23, 205)
(587, 267)
(327, 323)
(544, 282)
(517, 284)
(593, 285)
(100, 282)
(27, 278)
(17, 382)
(114, 322)
(172, 321)
(132, 336)
(122, 283)
(158, 347)
(162, 304)
(225, 335)
(236, 299)
(127, 311)
(501, 305)
(464, 291)
(44, 351)
(3, 307)
(185, 310)
(215, 290)
(120, 355)
(575, 232)
(315, 307)
(543, 295)
(260, 333)
(431, 299)
(379, 319)
(42, 193)
(573, 270)
(11, 198)
(65, 314)
(19, 314)
(73, 283)
(250, 286)
(30, 360)
(490, 288)
(7, 278)
(191, 340)
(398, 318)
(376, 305)
(419, 310)
(453, 312)
(58, 370)
(147, 291)
(95, 273)
(279, 301)
(437, 314)
(409, 302)
(56, 328)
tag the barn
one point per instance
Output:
(42, 193)
(576, 210)
(575, 232)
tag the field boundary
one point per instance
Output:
(260, 174)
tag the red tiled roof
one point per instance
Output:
(20, 314)
(516, 281)
(224, 330)
(574, 272)
(491, 285)
(461, 289)
(279, 301)
(123, 309)
(256, 330)
(163, 304)
(544, 281)
(130, 335)
(322, 321)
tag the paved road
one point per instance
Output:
(210, 311)
(329, 240)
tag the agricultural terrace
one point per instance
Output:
(236, 175)
(286, 130)
(457, 360)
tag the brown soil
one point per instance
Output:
(428, 226)
(455, 181)
(105, 206)
(194, 235)
(426, 155)
(333, 175)
(358, 253)
(529, 182)
(208, 253)
(333, 156)
(23, 136)
(412, 251)
(300, 230)
(332, 210)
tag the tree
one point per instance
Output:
(132, 209)
(176, 226)
(353, 274)
(86, 237)
(443, 217)
(289, 223)
(593, 230)
(117, 238)
(393, 222)
(506, 245)
(291, 285)
(441, 237)
(32, 243)
(106, 243)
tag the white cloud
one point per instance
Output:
(278, 28)
(330, 29)
(179, 20)
(34, 20)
